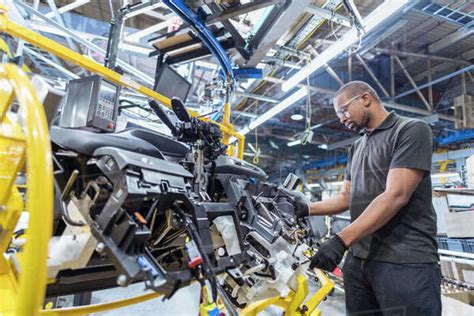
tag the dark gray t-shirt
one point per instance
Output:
(399, 142)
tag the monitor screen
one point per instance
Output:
(79, 97)
(170, 83)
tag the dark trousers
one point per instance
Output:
(382, 288)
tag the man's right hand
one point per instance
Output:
(301, 205)
(300, 202)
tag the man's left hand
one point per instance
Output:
(329, 254)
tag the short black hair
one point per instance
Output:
(354, 88)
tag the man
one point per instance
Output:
(392, 264)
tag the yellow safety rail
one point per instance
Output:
(24, 145)
(27, 35)
(293, 303)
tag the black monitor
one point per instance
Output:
(90, 102)
(170, 83)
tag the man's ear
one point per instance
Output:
(366, 100)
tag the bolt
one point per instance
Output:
(122, 280)
(304, 309)
(3, 208)
(100, 247)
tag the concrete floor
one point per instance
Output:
(186, 302)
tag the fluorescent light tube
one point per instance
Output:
(377, 16)
(294, 143)
(279, 107)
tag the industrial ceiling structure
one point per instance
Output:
(418, 60)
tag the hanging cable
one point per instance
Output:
(256, 158)
(307, 138)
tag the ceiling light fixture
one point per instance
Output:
(294, 143)
(279, 107)
(382, 12)
(297, 117)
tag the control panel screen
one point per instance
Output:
(107, 100)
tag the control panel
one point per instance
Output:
(90, 102)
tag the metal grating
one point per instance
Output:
(45, 68)
(313, 23)
(444, 12)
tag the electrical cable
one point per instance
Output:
(256, 158)
(191, 228)
(306, 137)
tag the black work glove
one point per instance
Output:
(301, 205)
(329, 254)
(300, 202)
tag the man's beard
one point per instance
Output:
(355, 127)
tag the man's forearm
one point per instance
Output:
(334, 205)
(377, 214)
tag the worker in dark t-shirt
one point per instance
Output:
(392, 264)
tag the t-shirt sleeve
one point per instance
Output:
(414, 147)
(347, 172)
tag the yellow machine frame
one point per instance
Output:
(27, 147)
(22, 292)
(293, 303)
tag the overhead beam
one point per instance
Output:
(68, 7)
(242, 9)
(328, 15)
(135, 37)
(386, 33)
(453, 74)
(389, 51)
(410, 79)
(452, 38)
(440, 68)
(328, 68)
(59, 18)
(468, 55)
(145, 8)
(273, 28)
(371, 73)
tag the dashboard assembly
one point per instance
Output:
(138, 206)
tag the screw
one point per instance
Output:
(100, 247)
(122, 280)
